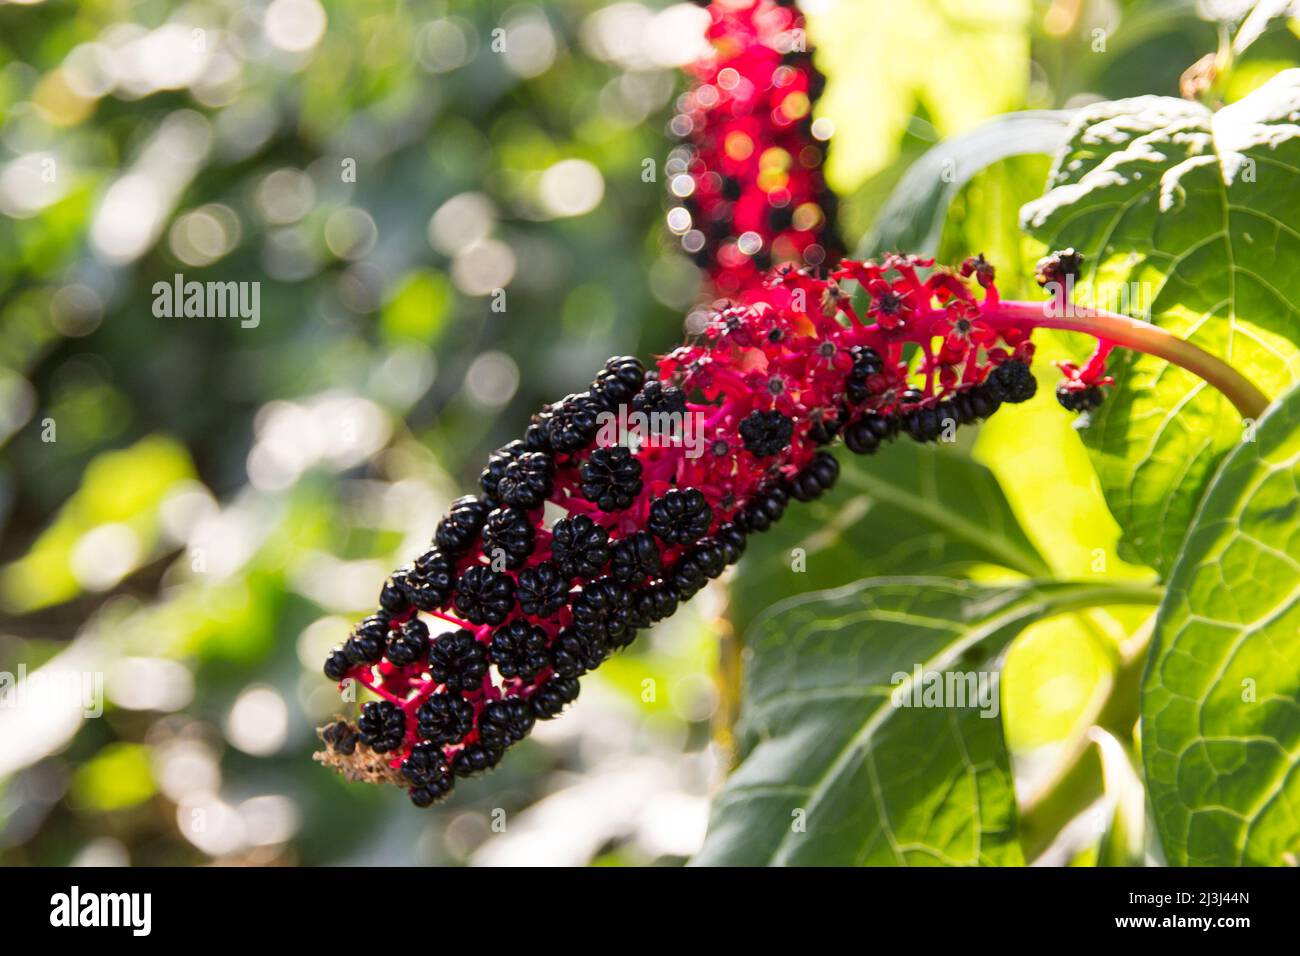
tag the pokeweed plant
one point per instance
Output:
(621, 501)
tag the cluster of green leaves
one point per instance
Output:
(1195, 208)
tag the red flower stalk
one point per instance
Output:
(747, 185)
(661, 478)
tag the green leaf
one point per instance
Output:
(880, 60)
(1221, 697)
(910, 509)
(1192, 212)
(833, 773)
(913, 217)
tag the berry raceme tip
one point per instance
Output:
(490, 629)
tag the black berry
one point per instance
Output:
(619, 380)
(611, 478)
(427, 770)
(337, 664)
(341, 737)
(509, 532)
(866, 363)
(579, 546)
(429, 585)
(485, 596)
(542, 590)
(815, 477)
(1079, 399)
(1012, 381)
(922, 424)
(732, 541)
(552, 696)
(766, 507)
(766, 433)
(505, 722)
(490, 477)
(519, 649)
(635, 558)
(653, 603)
(681, 516)
(474, 758)
(392, 598)
(382, 726)
(458, 661)
(688, 576)
(983, 402)
(461, 527)
(825, 426)
(527, 481)
(366, 645)
(575, 652)
(602, 610)
(445, 718)
(410, 644)
(661, 404)
(571, 424)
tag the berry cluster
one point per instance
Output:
(530, 604)
(746, 183)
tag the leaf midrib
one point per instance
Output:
(938, 512)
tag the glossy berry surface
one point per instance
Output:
(680, 516)
(611, 478)
(519, 650)
(526, 481)
(635, 558)
(579, 547)
(766, 433)
(410, 643)
(620, 379)
(382, 726)
(445, 718)
(542, 590)
(485, 596)
(460, 528)
(458, 661)
(508, 533)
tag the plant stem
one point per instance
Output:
(1140, 336)
(1078, 780)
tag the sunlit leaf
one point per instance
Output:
(1221, 699)
(886, 61)
(1191, 212)
(834, 772)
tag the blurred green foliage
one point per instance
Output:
(448, 210)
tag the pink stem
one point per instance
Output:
(1140, 336)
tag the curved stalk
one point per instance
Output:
(1140, 336)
